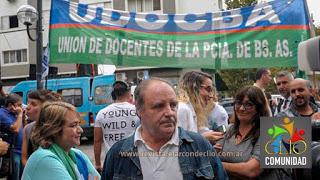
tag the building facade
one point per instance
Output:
(18, 53)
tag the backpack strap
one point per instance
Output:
(82, 166)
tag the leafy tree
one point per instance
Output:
(317, 30)
(237, 78)
(232, 4)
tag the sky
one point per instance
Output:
(314, 8)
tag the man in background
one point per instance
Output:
(263, 78)
(115, 122)
(282, 80)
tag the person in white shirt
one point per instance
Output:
(282, 80)
(195, 96)
(218, 115)
(115, 122)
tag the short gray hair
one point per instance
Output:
(139, 91)
(285, 74)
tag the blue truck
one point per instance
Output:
(88, 94)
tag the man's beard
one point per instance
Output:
(299, 104)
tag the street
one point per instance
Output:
(87, 148)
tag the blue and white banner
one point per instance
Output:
(45, 63)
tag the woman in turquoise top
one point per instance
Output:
(55, 133)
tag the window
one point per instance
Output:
(156, 5)
(13, 21)
(72, 96)
(140, 6)
(220, 4)
(102, 95)
(132, 5)
(4, 22)
(144, 5)
(16, 56)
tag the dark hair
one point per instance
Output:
(139, 91)
(119, 89)
(257, 97)
(44, 95)
(261, 72)
(11, 99)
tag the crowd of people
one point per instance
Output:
(163, 133)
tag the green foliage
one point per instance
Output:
(317, 30)
(232, 4)
(238, 78)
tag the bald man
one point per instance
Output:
(301, 104)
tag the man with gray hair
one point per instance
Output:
(159, 149)
(282, 80)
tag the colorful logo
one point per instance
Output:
(286, 139)
(285, 142)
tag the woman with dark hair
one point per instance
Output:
(56, 132)
(242, 137)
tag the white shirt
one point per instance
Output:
(283, 107)
(117, 121)
(218, 116)
(187, 118)
(159, 166)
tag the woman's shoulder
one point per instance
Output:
(42, 158)
(43, 162)
(42, 153)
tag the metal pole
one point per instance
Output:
(39, 46)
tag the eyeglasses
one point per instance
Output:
(209, 89)
(246, 105)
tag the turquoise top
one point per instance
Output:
(43, 164)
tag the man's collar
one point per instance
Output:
(258, 86)
(138, 138)
(288, 99)
(314, 108)
(128, 144)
